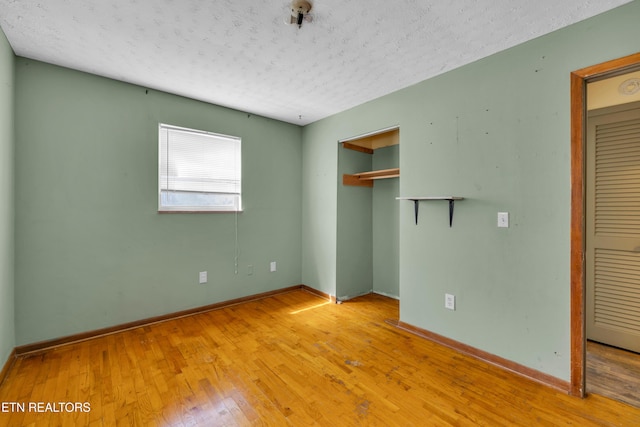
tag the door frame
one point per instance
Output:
(579, 80)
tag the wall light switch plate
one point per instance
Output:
(272, 266)
(503, 219)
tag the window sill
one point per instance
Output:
(197, 212)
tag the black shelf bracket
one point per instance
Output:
(416, 204)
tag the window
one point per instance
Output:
(198, 171)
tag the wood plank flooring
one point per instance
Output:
(613, 372)
(290, 359)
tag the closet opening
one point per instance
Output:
(368, 215)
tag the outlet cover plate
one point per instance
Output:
(449, 301)
(203, 277)
(272, 266)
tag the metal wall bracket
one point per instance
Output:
(416, 202)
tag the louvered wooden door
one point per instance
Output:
(613, 228)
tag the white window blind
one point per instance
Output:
(198, 170)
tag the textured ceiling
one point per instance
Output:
(240, 54)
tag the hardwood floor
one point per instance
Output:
(613, 372)
(289, 359)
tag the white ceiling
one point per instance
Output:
(240, 54)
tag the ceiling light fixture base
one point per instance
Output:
(300, 12)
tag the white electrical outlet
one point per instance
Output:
(450, 301)
(203, 277)
(503, 219)
(272, 266)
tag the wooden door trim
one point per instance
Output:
(579, 80)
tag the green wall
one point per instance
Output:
(327, 206)
(7, 323)
(355, 222)
(496, 132)
(386, 224)
(92, 251)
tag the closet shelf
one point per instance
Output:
(416, 201)
(365, 179)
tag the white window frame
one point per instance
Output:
(193, 176)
